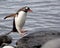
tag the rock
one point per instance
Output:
(55, 43)
(37, 39)
(8, 47)
(5, 39)
(5, 45)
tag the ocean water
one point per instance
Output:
(45, 15)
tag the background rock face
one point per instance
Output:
(37, 39)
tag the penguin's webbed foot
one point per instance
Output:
(22, 34)
(23, 31)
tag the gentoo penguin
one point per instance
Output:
(20, 18)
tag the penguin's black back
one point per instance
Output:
(14, 27)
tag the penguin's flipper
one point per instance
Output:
(11, 15)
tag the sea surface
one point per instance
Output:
(45, 15)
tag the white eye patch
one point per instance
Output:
(26, 7)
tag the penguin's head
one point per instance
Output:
(25, 9)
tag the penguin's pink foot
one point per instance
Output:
(23, 31)
(22, 34)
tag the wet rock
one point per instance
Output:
(5, 39)
(37, 39)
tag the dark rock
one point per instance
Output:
(37, 39)
(38, 46)
(5, 39)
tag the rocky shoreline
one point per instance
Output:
(33, 40)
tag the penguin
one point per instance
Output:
(19, 19)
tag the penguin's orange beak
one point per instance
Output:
(30, 10)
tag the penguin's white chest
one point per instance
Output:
(20, 20)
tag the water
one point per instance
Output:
(45, 15)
